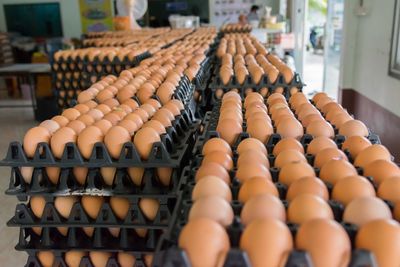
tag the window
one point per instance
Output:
(394, 65)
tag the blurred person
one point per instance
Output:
(253, 13)
(243, 19)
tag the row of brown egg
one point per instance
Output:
(236, 27)
(240, 44)
(73, 258)
(110, 41)
(134, 32)
(92, 206)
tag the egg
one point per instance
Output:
(293, 171)
(46, 258)
(372, 153)
(382, 238)
(320, 143)
(126, 259)
(50, 125)
(352, 187)
(326, 155)
(114, 140)
(211, 186)
(92, 205)
(353, 127)
(260, 129)
(287, 143)
(205, 242)
(99, 258)
(33, 137)
(60, 138)
(307, 185)
(144, 140)
(290, 128)
(380, 170)
(267, 233)
(71, 114)
(120, 206)
(252, 156)
(229, 130)
(319, 96)
(325, 241)
(80, 174)
(320, 128)
(306, 207)
(73, 258)
(262, 206)
(53, 173)
(288, 156)
(336, 169)
(219, 157)
(389, 189)
(212, 169)
(212, 207)
(355, 144)
(87, 139)
(247, 171)
(340, 119)
(61, 120)
(149, 207)
(365, 209)
(251, 144)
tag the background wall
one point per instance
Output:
(366, 50)
(70, 17)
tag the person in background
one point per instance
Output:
(243, 19)
(253, 13)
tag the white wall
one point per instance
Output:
(366, 49)
(70, 17)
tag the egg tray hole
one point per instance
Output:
(68, 185)
(102, 240)
(78, 217)
(33, 261)
(163, 154)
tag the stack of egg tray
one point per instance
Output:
(70, 76)
(171, 152)
(169, 254)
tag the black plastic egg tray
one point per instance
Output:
(167, 153)
(78, 217)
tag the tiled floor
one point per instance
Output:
(13, 124)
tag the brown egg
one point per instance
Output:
(87, 139)
(211, 186)
(382, 238)
(288, 156)
(114, 140)
(120, 206)
(389, 189)
(307, 185)
(380, 170)
(61, 120)
(245, 172)
(340, 119)
(336, 169)
(156, 105)
(252, 156)
(77, 126)
(325, 241)
(262, 206)
(205, 242)
(80, 174)
(99, 258)
(149, 207)
(260, 129)
(255, 186)
(320, 143)
(64, 205)
(60, 138)
(307, 120)
(144, 140)
(229, 130)
(267, 233)
(320, 128)
(353, 127)
(73, 258)
(365, 209)
(136, 175)
(355, 144)
(290, 128)
(126, 259)
(326, 155)
(135, 118)
(37, 204)
(46, 258)
(219, 157)
(213, 207)
(104, 108)
(319, 96)
(251, 144)
(164, 116)
(156, 125)
(92, 205)
(33, 137)
(71, 114)
(322, 102)
(287, 143)
(352, 187)
(212, 169)
(95, 114)
(372, 153)
(86, 119)
(129, 125)
(306, 207)
(216, 144)
(50, 125)
(295, 170)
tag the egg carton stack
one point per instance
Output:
(245, 65)
(285, 195)
(6, 54)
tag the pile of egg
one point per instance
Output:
(236, 27)
(266, 238)
(240, 44)
(121, 34)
